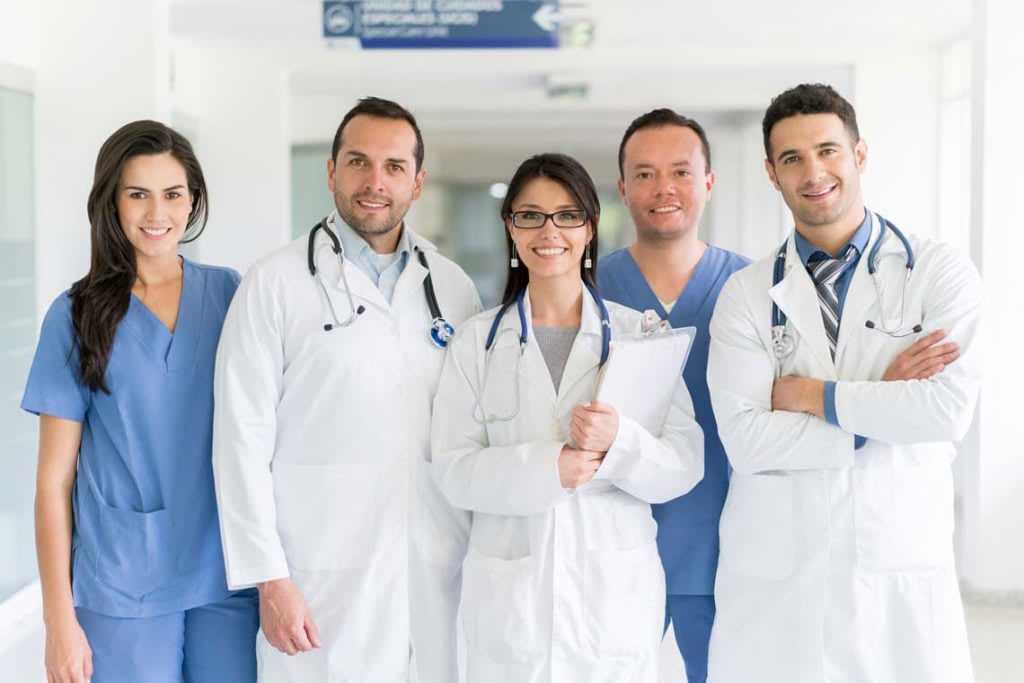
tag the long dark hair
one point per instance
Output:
(99, 301)
(571, 175)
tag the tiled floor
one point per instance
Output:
(996, 633)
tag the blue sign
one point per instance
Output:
(384, 24)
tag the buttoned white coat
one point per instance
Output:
(559, 586)
(322, 464)
(837, 564)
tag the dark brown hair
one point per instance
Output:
(659, 118)
(571, 175)
(382, 109)
(808, 98)
(99, 301)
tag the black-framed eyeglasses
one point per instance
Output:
(531, 220)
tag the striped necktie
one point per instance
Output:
(825, 273)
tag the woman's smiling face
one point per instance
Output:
(549, 251)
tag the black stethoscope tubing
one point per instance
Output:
(780, 337)
(606, 325)
(441, 331)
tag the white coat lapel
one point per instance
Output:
(585, 353)
(535, 378)
(861, 294)
(797, 298)
(410, 282)
(329, 269)
(363, 290)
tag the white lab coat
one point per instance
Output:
(559, 587)
(837, 565)
(322, 464)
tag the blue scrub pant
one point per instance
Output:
(691, 617)
(214, 643)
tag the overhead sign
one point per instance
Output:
(379, 24)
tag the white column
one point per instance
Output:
(993, 518)
(19, 34)
(896, 97)
(243, 142)
(746, 214)
(87, 84)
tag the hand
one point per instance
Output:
(576, 467)
(68, 655)
(799, 395)
(594, 426)
(923, 359)
(285, 618)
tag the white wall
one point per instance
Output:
(19, 33)
(994, 514)
(745, 214)
(896, 95)
(84, 91)
(239, 101)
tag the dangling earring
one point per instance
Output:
(587, 263)
(514, 261)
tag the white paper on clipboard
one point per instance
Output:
(642, 373)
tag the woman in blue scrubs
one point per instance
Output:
(126, 522)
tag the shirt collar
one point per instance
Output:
(356, 247)
(859, 241)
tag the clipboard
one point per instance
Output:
(642, 372)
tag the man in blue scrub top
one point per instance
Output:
(665, 181)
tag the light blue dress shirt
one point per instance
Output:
(808, 253)
(382, 269)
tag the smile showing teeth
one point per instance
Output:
(372, 205)
(664, 209)
(549, 251)
(822, 193)
(156, 232)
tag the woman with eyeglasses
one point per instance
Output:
(562, 582)
(127, 535)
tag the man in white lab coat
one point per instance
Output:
(836, 538)
(326, 371)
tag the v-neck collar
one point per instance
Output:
(177, 350)
(584, 355)
(690, 301)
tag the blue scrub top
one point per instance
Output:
(146, 539)
(688, 525)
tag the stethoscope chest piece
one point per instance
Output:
(783, 344)
(441, 332)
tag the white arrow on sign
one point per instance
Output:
(547, 17)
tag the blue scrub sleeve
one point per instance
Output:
(53, 386)
(833, 419)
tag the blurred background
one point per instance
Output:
(259, 87)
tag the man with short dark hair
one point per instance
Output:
(842, 367)
(328, 362)
(665, 181)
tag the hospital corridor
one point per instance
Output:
(308, 310)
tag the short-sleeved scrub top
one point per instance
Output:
(146, 539)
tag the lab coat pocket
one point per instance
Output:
(500, 610)
(756, 532)
(904, 516)
(624, 600)
(138, 551)
(327, 514)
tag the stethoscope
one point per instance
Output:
(606, 343)
(441, 331)
(783, 344)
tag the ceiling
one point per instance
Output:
(715, 60)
